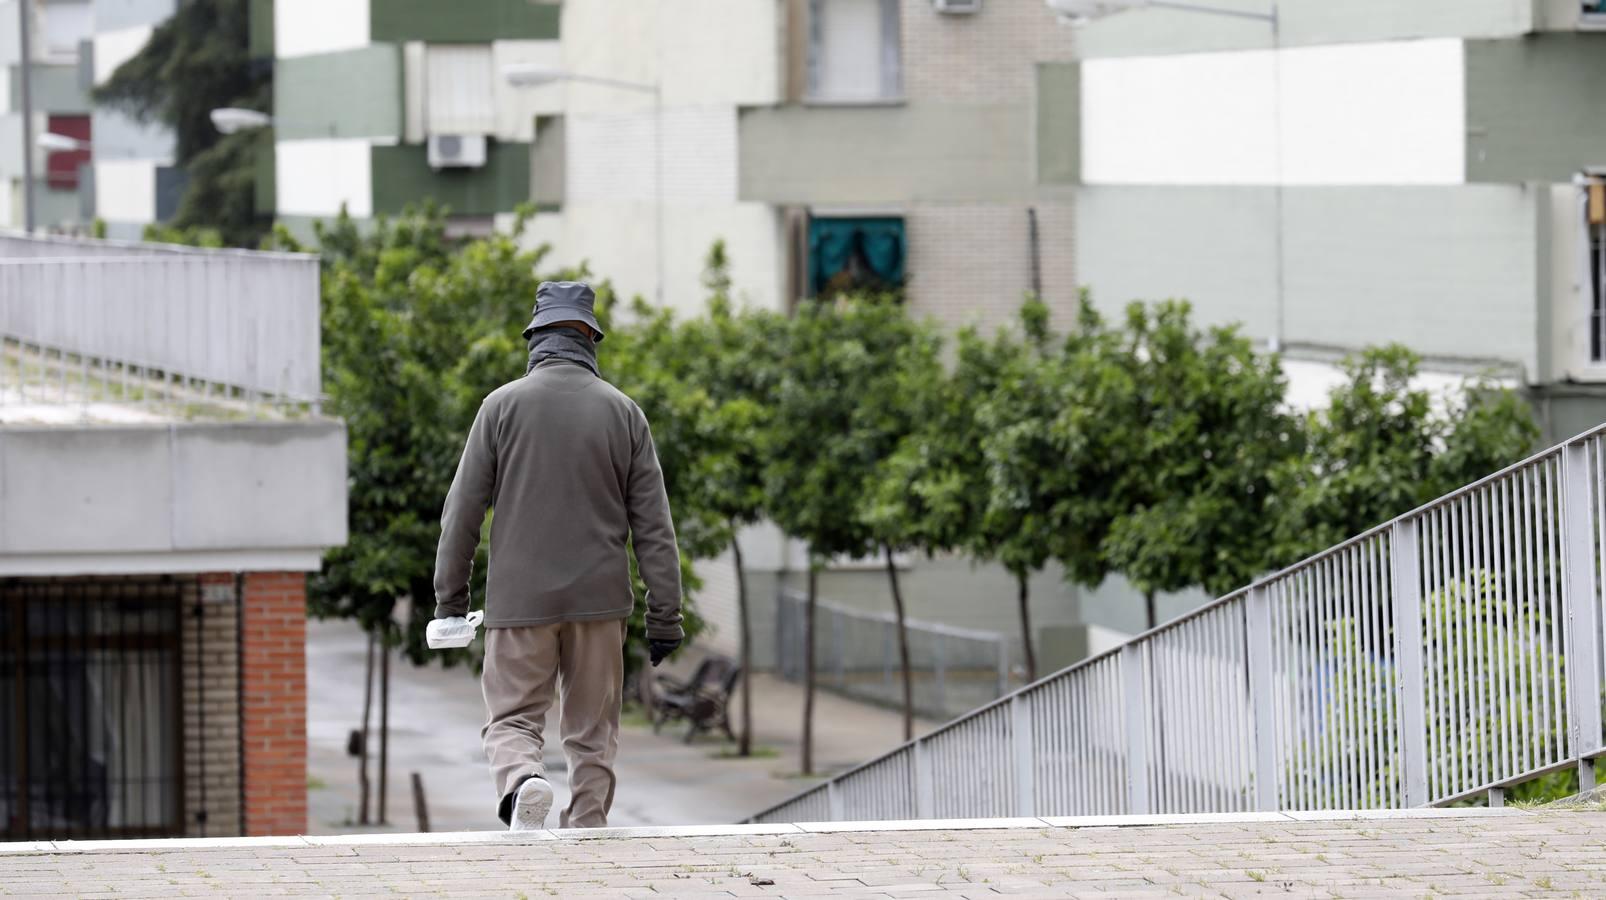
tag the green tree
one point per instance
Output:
(197, 61)
(934, 492)
(826, 437)
(1202, 425)
(1381, 448)
(730, 357)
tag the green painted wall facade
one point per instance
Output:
(55, 89)
(1059, 116)
(462, 21)
(352, 93)
(886, 155)
(1536, 107)
(402, 176)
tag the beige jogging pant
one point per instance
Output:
(586, 662)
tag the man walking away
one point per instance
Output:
(568, 463)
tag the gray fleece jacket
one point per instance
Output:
(568, 462)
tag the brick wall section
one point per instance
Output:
(971, 263)
(274, 643)
(982, 58)
(211, 708)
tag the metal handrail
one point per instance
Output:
(1374, 583)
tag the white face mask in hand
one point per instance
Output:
(453, 631)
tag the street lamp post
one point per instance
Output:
(1081, 12)
(532, 76)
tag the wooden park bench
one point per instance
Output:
(701, 700)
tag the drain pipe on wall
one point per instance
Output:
(1037, 253)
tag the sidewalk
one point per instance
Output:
(435, 720)
(1412, 854)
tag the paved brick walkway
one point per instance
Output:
(1511, 853)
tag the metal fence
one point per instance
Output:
(1450, 653)
(856, 653)
(99, 327)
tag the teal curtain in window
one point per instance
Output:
(870, 250)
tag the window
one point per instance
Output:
(1593, 13)
(460, 89)
(856, 255)
(61, 166)
(854, 54)
(89, 709)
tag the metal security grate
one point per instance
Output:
(90, 708)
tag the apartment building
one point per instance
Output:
(58, 29)
(379, 104)
(163, 493)
(1372, 171)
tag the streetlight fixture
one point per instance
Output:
(534, 75)
(232, 119)
(1082, 12)
(60, 143)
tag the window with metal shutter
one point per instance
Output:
(460, 92)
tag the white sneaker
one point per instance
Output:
(531, 805)
(454, 631)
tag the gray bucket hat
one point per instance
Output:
(563, 301)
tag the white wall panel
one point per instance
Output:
(611, 157)
(113, 48)
(616, 239)
(1383, 113)
(303, 27)
(517, 107)
(316, 176)
(125, 190)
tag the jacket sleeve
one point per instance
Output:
(652, 533)
(464, 515)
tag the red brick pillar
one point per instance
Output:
(274, 694)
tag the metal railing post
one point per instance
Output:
(1134, 709)
(1405, 564)
(925, 795)
(1262, 691)
(1022, 740)
(1581, 607)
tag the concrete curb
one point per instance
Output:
(697, 831)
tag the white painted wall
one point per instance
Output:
(703, 51)
(304, 27)
(113, 48)
(316, 176)
(1380, 113)
(516, 107)
(125, 190)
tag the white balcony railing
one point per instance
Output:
(94, 322)
(1451, 653)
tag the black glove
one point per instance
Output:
(660, 649)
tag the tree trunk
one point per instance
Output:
(367, 716)
(903, 648)
(808, 673)
(384, 726)
(1026, 627)
(1148, 607)
(744, 746)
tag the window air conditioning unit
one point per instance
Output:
(456, 151)
(957, 7)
